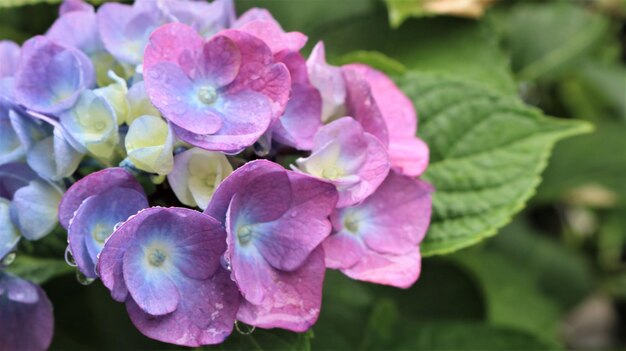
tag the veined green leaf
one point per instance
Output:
(487, 152)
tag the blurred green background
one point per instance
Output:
(554, 278)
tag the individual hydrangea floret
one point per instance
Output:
(164, 263)
(92, 124)
(196, 175)
(32, 203)
(377, 240)
(26, 320)
(275, 221)
(356, 162)
(220, 95)
(150, 145)
(50, 77)
(95, 183)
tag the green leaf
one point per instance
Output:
(487, 152)
(452, 336)
(375, 59)
(15, 3)
(270, 340)
(544, 38)
(39, 270)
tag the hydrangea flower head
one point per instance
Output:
(356, 162)
(377, 240)
(26, 320)
(50, 76)
(275, 221)
(221, 94)
(164, 263)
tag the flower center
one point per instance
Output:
(351, 224)
(100, 232)
(209, 181)
(244, 234)
(330, 173)
(156, 257)
(207, 95)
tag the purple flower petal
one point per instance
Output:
(125, 30)
(68, 6)
(377, 240)
(161, 252)
(9, 56)
(407, 152)
(204, 317)
(270, 235)
(361, 104)
(175, 43)
(94, 184)
(355, 161)
(50, 77)
(26, 321)
(175, 95)
(34, 208)
(77, 29)
(247, 115)
(13, 176)
(296, 305)
(329, 81)
(94, 221)
(261, 24)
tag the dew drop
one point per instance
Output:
(8, 259)
(225, 263)
(69, 258)
(262, 147)
(244, 329)
(117, 226)
(82, 279)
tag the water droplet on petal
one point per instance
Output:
(69, 258)
(82, 279)
(225, 263)
(8, 259)
(262, 147)
(244, 329)
(117, 226)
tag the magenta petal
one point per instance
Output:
(205, 316)
(302, 118)
(259, 72)
(93, 184)
(362, 106)
(174, 42)
(396, 108)
(247, 116)
(342, 250)
(409, 156)
(396, 270)
(220, 61)
(261, 24)
(296, 305)
(175, 95)
(399, 215)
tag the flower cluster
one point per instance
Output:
(186, 96)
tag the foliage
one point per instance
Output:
(483, 89)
